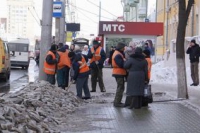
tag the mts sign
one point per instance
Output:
(113, 27)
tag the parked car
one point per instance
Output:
(4, 61)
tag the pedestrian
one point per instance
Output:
(147, 55)
(194, 52)
(138, 76)
(97, 56)
(64, 65)
(50, 64)
(71, 52)
(72, 47)
(85, 50)
(81, 74)
(112, 50)
(119, 73)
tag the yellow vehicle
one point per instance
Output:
(4, 61)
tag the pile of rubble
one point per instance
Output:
(37, 108)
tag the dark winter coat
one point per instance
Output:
(75, 66)
(101, 61)
(194, 53)
(138, 74)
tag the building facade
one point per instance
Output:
(167, 12)
(135, 10)
(21, 19)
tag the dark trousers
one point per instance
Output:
(51, 79)
(82, 84)
(97, 73)
(120, 90)
(195, 72)
(61, 77)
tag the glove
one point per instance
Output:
(96, 62)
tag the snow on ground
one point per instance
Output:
(167, 75)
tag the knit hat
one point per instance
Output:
(193, 41)
(120, 45)
(138, 50)
(95, 42)
(147, 52)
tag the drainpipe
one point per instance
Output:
(192, 26)
(167, 24)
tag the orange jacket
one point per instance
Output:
(149, 67)
(50, 68)
(64, 59)
(97, 54)
(83, 66)
(116, 69)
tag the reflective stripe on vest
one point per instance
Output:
(50, 68)
(97, 54)
(116, 69)
(64, 60)
(83, 66)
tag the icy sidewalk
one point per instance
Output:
(99, 116)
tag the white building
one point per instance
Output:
(135, 10)
(23, 18)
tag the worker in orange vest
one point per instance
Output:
(50, 64)
(81, 74)
(119, 73)
(147, 54)
(97, 56)
(64, 65)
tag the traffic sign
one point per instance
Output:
(57, 9)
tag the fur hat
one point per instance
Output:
(54, 47)
(120, 45)
(138, 50)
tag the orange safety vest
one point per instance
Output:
(149, 67)
(116, 69)
(97, 55)
(83, 66)
(64, 59)
(50, 68)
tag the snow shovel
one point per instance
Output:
(67, 88)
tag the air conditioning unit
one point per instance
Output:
(142, 12)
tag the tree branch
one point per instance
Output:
(189, 6)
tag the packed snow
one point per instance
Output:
(166, 75)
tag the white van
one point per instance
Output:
(19, 53)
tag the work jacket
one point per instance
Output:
(50, 68)
(117, 70)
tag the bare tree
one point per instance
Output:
(184, 12)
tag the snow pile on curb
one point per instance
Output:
(166, 75)
(39, 107)
(161, 74)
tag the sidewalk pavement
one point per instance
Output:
(99, 116)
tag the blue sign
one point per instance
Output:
(57, 9)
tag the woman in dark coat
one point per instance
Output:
(138, 76)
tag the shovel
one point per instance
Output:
(67, 88)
